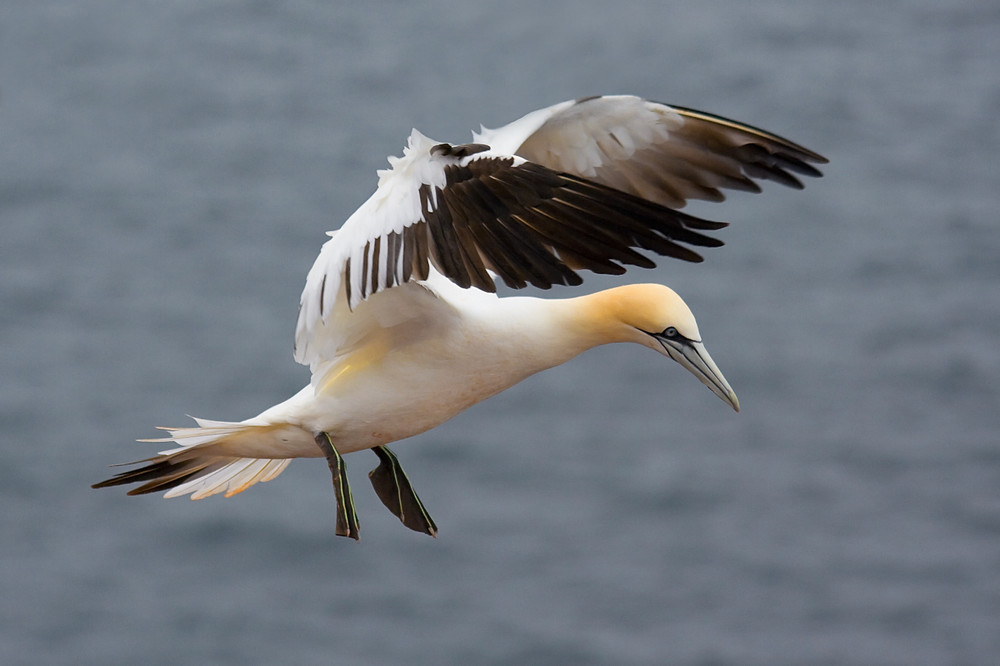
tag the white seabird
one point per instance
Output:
(399, 321)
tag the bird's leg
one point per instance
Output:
(395, 491)
(347, 517)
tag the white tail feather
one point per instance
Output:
(234, 478)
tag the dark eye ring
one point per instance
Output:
(669, 332)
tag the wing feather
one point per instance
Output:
(663, 153)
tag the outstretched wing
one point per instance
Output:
(581, 185)
(469, 213)
(661, 153)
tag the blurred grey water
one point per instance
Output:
(166, 175)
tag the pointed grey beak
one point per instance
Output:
(693, 356)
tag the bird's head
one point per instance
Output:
(655, 316)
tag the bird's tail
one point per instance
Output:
(212, 458)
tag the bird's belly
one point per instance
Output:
(391, 401)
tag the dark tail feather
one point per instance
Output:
(163, 473)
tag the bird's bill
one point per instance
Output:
(693, 356)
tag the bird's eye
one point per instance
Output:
(669, 332)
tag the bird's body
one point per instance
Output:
(410, 377)
(399, 321)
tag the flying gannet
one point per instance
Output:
(399, 321)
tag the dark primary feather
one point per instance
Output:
(530, 225)
(164, 473)
(697, 158)
(762, 154)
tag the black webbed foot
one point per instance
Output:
(347, 517)
(394, 489)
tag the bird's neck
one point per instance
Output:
(555, 330)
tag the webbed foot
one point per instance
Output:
(347, 517)
(394, 489)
